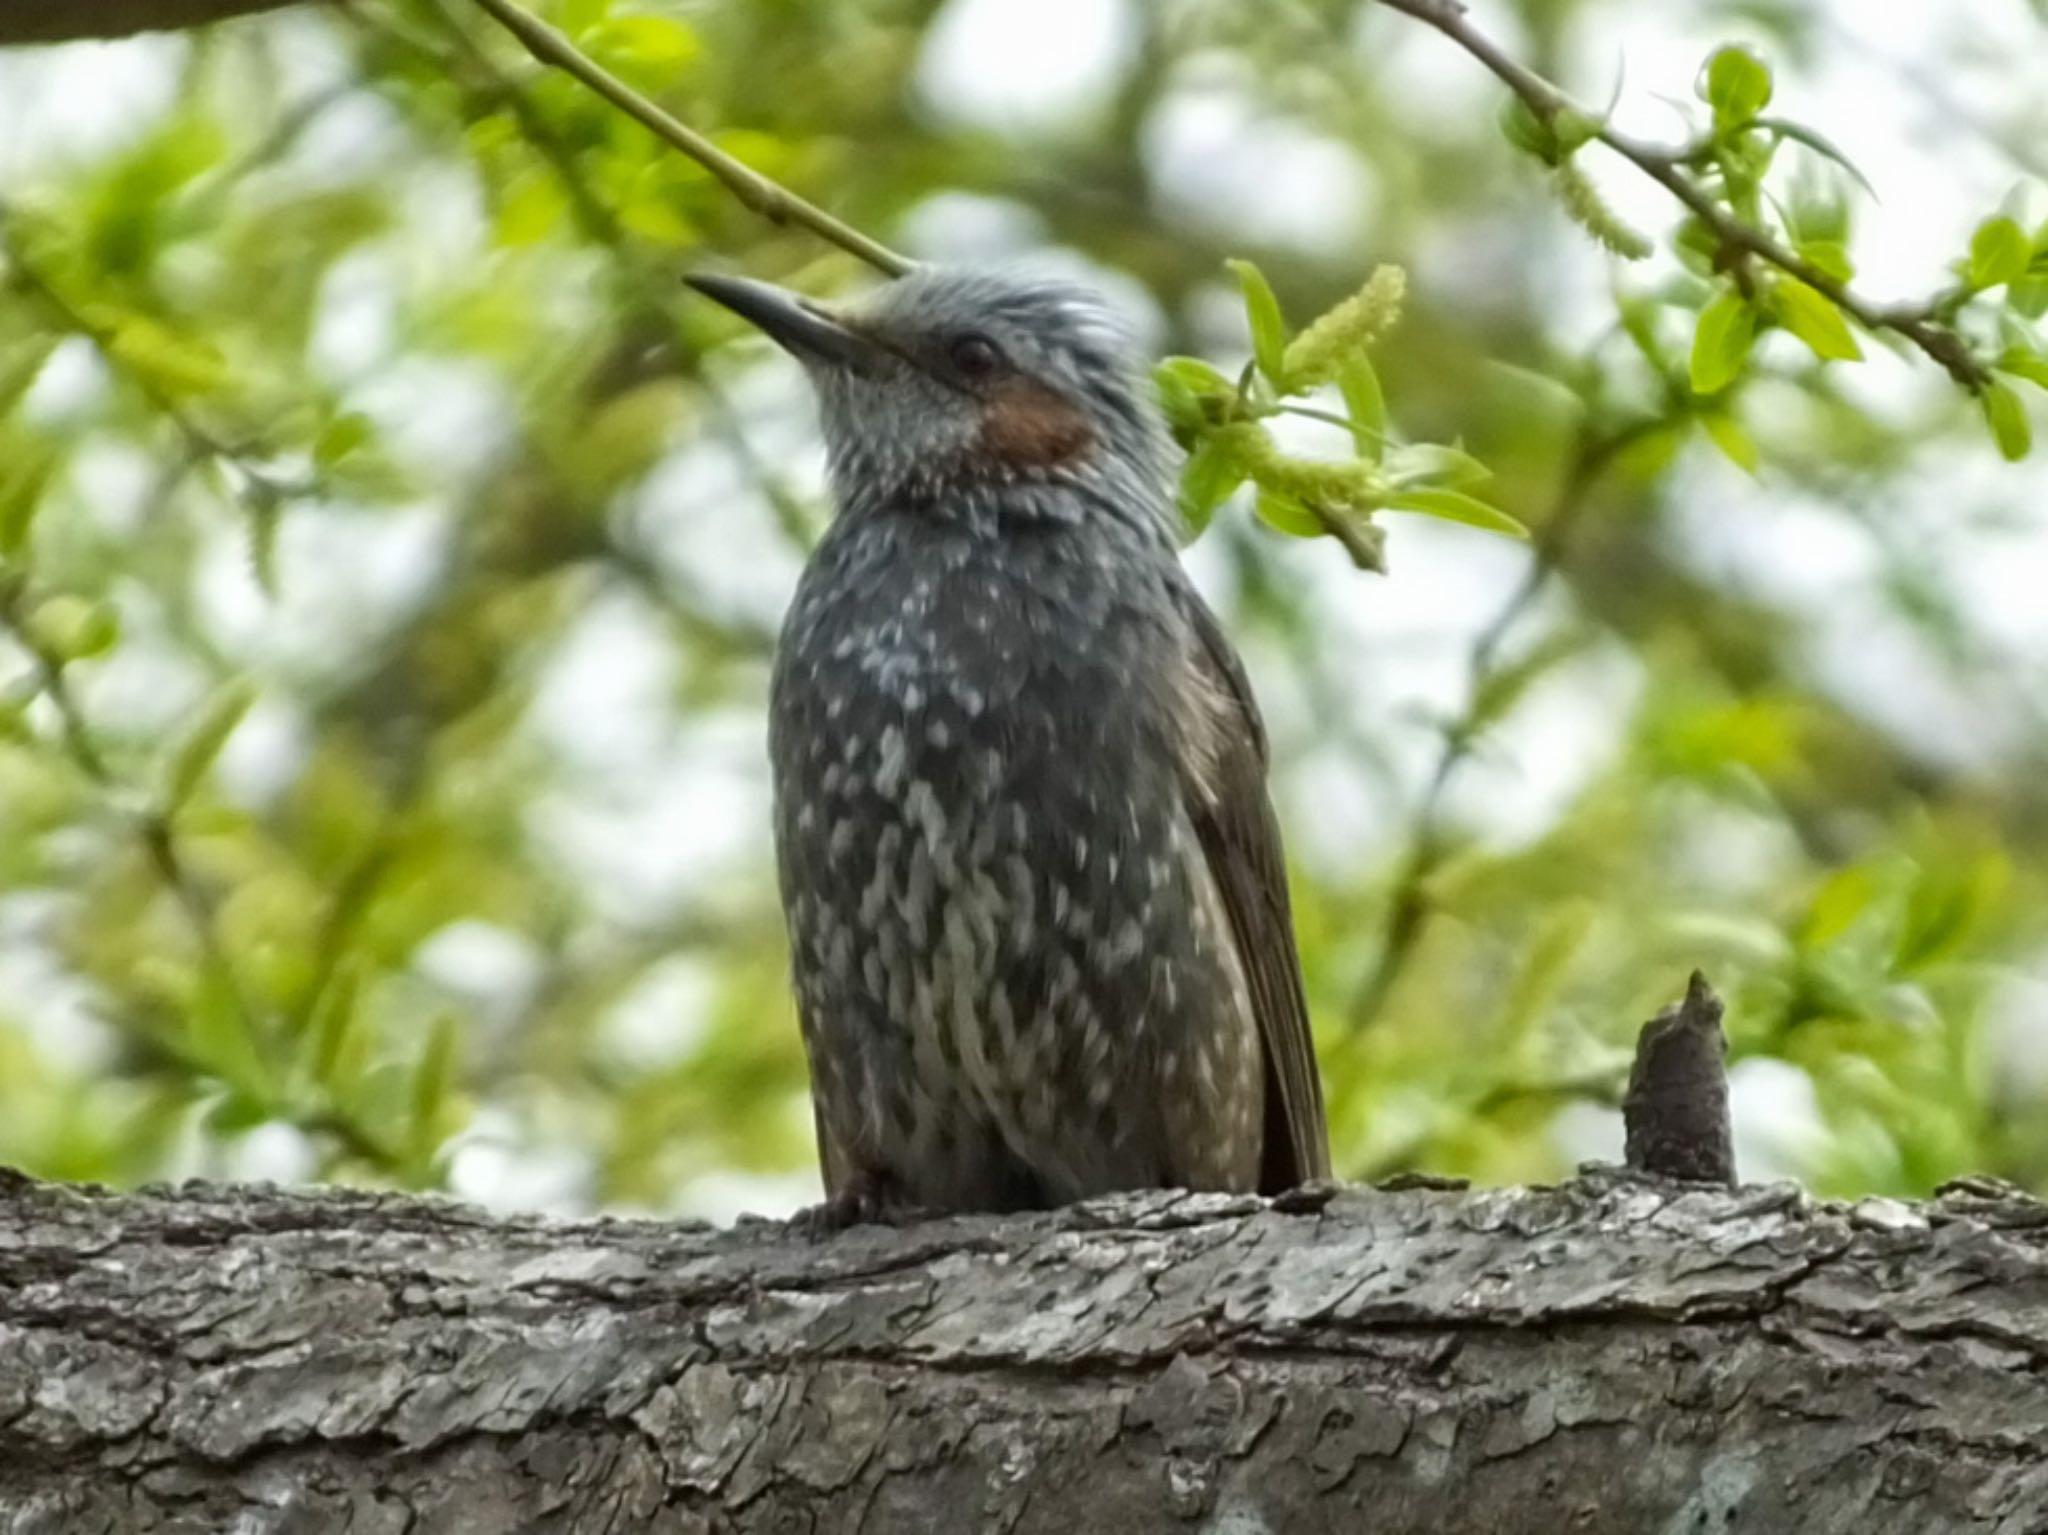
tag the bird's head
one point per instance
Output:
(956, 387)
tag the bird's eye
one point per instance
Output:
(975, 355)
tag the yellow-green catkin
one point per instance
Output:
(1582, 204)
(1350, 484)
(1315, 356)
(1353, 484)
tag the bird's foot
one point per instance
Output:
(863, 1202)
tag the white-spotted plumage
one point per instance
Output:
(1003, 764)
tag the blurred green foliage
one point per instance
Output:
(259, 781)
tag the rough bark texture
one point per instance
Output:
(1607, 1356)
(58, 21)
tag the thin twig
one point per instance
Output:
(1666, 167)
(649, 295)
(770, 199)
(152, 828)
(261, 492)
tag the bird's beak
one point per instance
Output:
(792, 322)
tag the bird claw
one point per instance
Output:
(863, 1204)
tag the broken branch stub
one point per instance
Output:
(1676, 1109)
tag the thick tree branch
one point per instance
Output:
(1624, 1356)
(61, 21)
(1666, 168)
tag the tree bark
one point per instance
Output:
(1607, 1356)
(61, 21)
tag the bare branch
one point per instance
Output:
(64, 21)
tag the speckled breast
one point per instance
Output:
(997, 916)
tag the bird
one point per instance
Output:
(1039, 924)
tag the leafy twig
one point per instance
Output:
(152, 827)
(1666, 167)
(1591, 456)
(770, 199)
(648, 294)
(261, 493)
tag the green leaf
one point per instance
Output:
(1573, 130)
(1652, 452)
(1366, 405)
(1744, 158)
(1998, 253)
(266, 522)
(1732, 438)
(1819, 143)
(14, 705)
(236, 1112)
(1200, 378)
(1529, 133)
(1278, 510)
(1212, 473)
(432, 1088)
(1456, 506)
(173, 364)
(1946, 907)
(1720, 345)
(2020, 363)
(331, 1029)
(20, 366)
(1819, 211)
(2028, 297)
(529, 209)
(1269, 330)
(1698, 247)
(194, 755)
(1736, 84)
(217, 1033)
(69, 628)
(1842, 901)
(344, 434)
(1184, 385)
(1830, 256)
(2007, 418)
(1435, 463)
(1640, 322)
(26, 469)
(1813, 317)
(654, 43)
(1179, 404)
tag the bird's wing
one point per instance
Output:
(1224, 787)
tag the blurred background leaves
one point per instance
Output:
(390, 553)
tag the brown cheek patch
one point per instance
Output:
(1027, 426)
